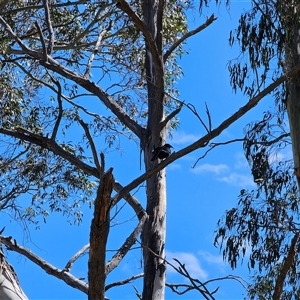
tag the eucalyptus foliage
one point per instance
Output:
(260, 228)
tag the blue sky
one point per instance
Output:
(197, 197)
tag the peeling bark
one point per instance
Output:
(98, 238)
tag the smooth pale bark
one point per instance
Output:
(154, 233)
(10, 288)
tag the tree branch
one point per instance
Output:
(285, 268)
(117, 258)
(60, 108)
(68, 278)
(124, 6)
(92, 144)
(122, 282)
(80, 253)
(49, 26)
(171, 116)
(96, 49)
(55, 66)
(209, 21)
(52, 146)
(40, 32)
(209, 136)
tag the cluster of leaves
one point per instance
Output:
(262, 34)
(265, 220)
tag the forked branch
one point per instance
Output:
(209, 21)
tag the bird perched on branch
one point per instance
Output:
(161, 152)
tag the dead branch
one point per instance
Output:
(68, 278)
(122, 282)
(80, 253)
(92, 144)
(209, 21)
(96, 49)
(117, 258)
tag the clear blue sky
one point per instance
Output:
(197, 197)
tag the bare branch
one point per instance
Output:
(117, 258)
(60, 108)
(49, 26)
(171, 116)
(42, 40)
(132, 201)
(68, 278)
(193, 109)
(264, 143)
(194, 282)
(209, 117)
(80, 253)
(92, 144)
(209, 21)
(122, 282)
(209, 136)
(285, 268)
(96, 49)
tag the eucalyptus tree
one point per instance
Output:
(265, 224)
(55, 57)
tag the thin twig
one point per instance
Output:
(264, 143)
(122, 282)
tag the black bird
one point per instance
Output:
(161, 152)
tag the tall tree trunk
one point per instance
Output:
(290, 14)
(154, 232)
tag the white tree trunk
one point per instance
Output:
(10, 288)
